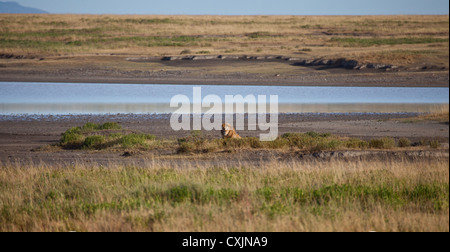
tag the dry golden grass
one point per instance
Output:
(276, 196)
(440, 117)
(401, 40)
(439, 114)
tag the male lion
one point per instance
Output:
(229, 132)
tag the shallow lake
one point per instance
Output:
(84, 98)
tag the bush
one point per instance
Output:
(435, 144)
(94, 142)
(252, 142)
(382, 143)
(136, 140)
(404, 142)
(185, 147)
(92, 136)
(354, 143)
(90, 127)
(72, 136)
(194, 142)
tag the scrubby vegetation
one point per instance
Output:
(103, 136)
(111, 136)
(308, 142)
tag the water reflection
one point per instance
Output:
(82, 98)
(165, 108)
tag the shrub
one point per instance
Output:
(185, 147)
(72, 136)
(136, 140)
(94, 142)
(435, 144)
(278, 143)
(253, 142)
(404, 142)
(354, 143)
(194, 142)
(422, 142)
(323, 145)
(382, 143)
(90, 127)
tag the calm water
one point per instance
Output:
(75, 98)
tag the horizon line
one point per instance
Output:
(230, 15)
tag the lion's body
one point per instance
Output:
(229, 132)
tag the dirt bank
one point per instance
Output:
(229, 71)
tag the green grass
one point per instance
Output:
(103, 136)
(78, 40)
(360, 196)
(136, 140)
(93, 142)
(71, 137)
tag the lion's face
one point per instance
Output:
(228, 131)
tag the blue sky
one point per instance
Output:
(242, 7)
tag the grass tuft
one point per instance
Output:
(404, 142)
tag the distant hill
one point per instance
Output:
(13, 7)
